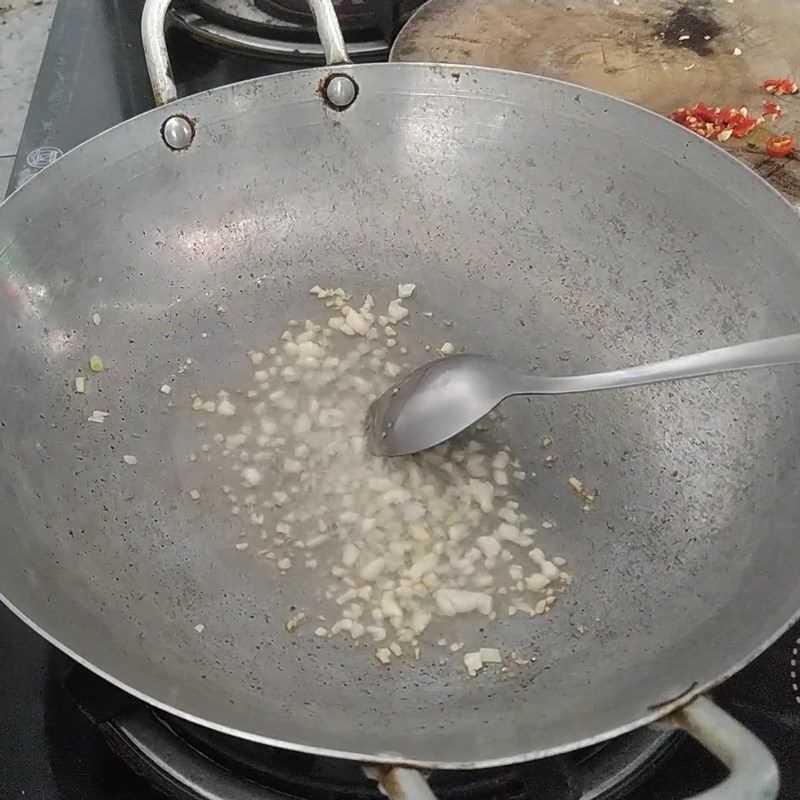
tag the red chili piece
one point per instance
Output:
(772, 108)
(743, 127)
(780, 86)
(716, 123)
(779, 146)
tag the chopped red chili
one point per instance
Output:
(679, 115)
(772, 108)
(703, 112)
(716, 123)
(741, 129)
(780, 86)
(779, 146)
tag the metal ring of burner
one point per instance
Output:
(161, 754)
(250, 44)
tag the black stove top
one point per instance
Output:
(67, 735)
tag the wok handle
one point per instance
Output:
(330, 32)
(401, 783)
(753, 771)
(154, 17)
(154, 40)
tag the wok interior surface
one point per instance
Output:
(560, 230)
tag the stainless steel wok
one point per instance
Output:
(554, 225)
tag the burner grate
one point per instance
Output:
(284, 29)
(189, 762)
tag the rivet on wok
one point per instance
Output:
(340, 91)
(177, 133)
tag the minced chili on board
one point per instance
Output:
(780, 86)
(716, 123)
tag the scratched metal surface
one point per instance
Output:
(523, 216)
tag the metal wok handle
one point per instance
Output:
(753, 771)
(155, 46)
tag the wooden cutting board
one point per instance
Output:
(660, 55)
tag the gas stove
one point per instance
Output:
(67, 734)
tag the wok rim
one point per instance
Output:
(657, 709)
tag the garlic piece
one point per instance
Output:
(225, 408)
(405, 290)
(473, 663)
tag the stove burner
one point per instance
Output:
(188, 762)
(284, 29)
(606, 770)
(214, 765)
(352, 14)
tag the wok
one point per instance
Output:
(552, 224)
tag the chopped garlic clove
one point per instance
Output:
(396, 311)
(405, 290)
(225, 408)
(473, 663)
(490, 655)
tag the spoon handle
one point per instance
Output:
(751, 355)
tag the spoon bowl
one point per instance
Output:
(435, 402)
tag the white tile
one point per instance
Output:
(23, 32)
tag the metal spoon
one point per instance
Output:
(440, 399)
